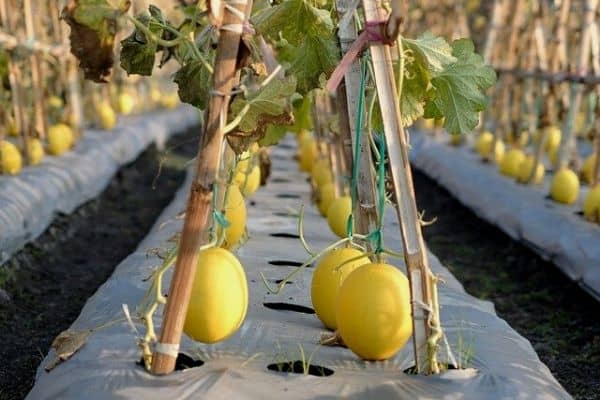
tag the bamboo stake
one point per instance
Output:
(69, 74)
(518, 13)
(567, 144)
(495, 25)
(197, 218)
(335, 154)
(415, 255)
(36, 76)
(365, 211)
(15, 80)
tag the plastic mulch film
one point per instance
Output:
(555, 231)
(29, 201)
(500, 364)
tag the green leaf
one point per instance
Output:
(293, 20)
(313, 58)
(302, 114)
(457, 92)
(265, 105)
(435, 51)
(414, 88)
(305, 42)
(93, 28)
(138, 51)
(193, 81)
(273, 134)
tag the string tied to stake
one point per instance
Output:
(373, 33)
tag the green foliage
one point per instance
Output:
(273, 135)
(138, 50)
(302, 114)
(269, 103)
(444, 81)
(306, 42)
(193, 80)
(456, 93)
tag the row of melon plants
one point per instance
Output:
(258, 74)
(44, 104)
(545, 113)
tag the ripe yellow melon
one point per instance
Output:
(511, 162)
(248, 183)
(483, 146)
(328, 278)
(521, 140)
(565, 186)
(219, 300)
(308, 154)
(321, 172)
(170, 101)
(456, 140)
(35, 151)
(591, 205)
(60, 139)
(373, 311)
(236, 214)
(55, 102)
(10, 156)
(106, 116)
(553, 136)
(11, 126)
(587, 170)
(525, 170)
(337, 215)
(326, 195)
(126, 103)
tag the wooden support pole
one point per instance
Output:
(68, 73)
(37, 79)
(199, 207)
(365, 211)
(567, 144)
(415, 254)
(7, 17)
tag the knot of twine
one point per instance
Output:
(371, 34)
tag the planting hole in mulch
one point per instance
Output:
(298, 367)
(278, 281)
(285, 263)
(182, 362)
(285, 235)
(289, 307)
(288, 196)
(285, 214)
(279, 180)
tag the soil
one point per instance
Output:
(561, 321)
(50, 280)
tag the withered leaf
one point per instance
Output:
(66, 344)
(93, 28)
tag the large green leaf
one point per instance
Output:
(193, 80)
(265, 105)
(305, 40)
(414, 88)
(293, 20)
(434, 50)
(138, 50)
(457, 92)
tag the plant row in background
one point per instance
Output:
(44, 103)
(544, 114)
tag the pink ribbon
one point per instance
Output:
(372, 33)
